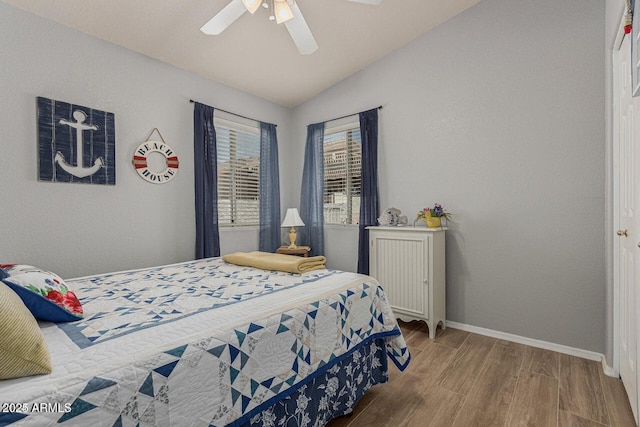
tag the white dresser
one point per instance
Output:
(409, 263)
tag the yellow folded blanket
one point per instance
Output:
(278, 262)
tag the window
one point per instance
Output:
(342, 172)
(238, 148)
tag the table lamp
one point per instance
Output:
(292, 219)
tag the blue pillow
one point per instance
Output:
(45, 294)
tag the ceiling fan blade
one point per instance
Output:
(300, 32)
(224, 18)
(367, 1)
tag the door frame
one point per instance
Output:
(615, 174)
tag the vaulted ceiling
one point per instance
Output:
(254, 54)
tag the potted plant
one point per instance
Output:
(433, 216)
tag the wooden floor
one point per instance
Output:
(469, 380)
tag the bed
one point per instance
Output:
(209, 343)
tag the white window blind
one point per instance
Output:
(238, 148)
(342, 174)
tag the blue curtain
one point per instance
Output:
(311, 196)
(369, 203)
(270, 231)
(206, 182)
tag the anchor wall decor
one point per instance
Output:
(76, 143)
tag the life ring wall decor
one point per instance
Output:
(141, 164)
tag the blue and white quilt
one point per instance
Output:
(199, 343)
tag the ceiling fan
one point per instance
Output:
(282, 11)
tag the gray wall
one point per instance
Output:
(78, 229)
(498, 114)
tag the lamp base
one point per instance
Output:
(292, 238)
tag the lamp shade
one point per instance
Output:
(283, 11)
(292, 218)
(252, 5)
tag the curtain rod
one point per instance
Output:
(349, 115)
(229, 112)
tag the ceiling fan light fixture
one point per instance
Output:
(252, 5)
(282, 11)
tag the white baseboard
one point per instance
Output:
(585, 354)
(609, 370)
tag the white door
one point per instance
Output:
(628, 251)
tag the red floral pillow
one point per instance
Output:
(45, 294)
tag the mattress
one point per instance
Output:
(198, 343)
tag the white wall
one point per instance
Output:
(497, 114)
(78, 229)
